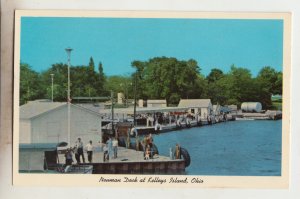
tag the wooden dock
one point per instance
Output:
(144, 130)
(132, 162)
(268, 115)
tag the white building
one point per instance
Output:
(156, 103)
(47, 122)
(121, 98)
(217, 109)
(202, 107)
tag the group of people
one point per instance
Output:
(147, 144)
(110, 149)
(78, 150)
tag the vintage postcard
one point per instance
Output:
(160, 99)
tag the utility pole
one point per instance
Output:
(126, 93)
(112, 111)
(52, 85)
(134, 110)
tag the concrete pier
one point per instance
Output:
(131, 161)
(268, 115)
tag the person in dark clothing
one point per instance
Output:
(69, 158)
(79, 146)
(89, 150)
(76, 155)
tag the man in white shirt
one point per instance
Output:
(115, 147)
(89, 149)
(105, 153)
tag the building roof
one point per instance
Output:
(144, 110)
(157, 101)
(196, 103)
(38, 146)
(37, 107)
(96, 107)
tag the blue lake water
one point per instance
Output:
(239, 148)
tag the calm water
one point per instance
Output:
(241, 148)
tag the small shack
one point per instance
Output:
(37, 157)
(201, 107)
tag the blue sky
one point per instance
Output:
(213, 43)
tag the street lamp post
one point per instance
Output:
(52, 86)
(128, 93)
(126, 97)
(124, 88)
(134, 108)
(112, 111)
(68, 50)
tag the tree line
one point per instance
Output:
(157, 78)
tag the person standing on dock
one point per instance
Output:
(128, 139)
(79, 146)
(137, 143)
(115, 144)
(89, 150)
(177, 151)
(110, 147)
(75, 149)
(224, 117)
(69, 156)
(147, 153)
(105, 153)
(171, 154)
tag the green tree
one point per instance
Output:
(138, 78)
(101, 81)
(218, 91)
(271, 79)
(270, 82)
(216, 86)
(30, 84)
(118, 84)
(85, 81)
(91, 64)
(214, 75)
(240, 86)
(277, 87)
(60, 82)
(169, 78)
